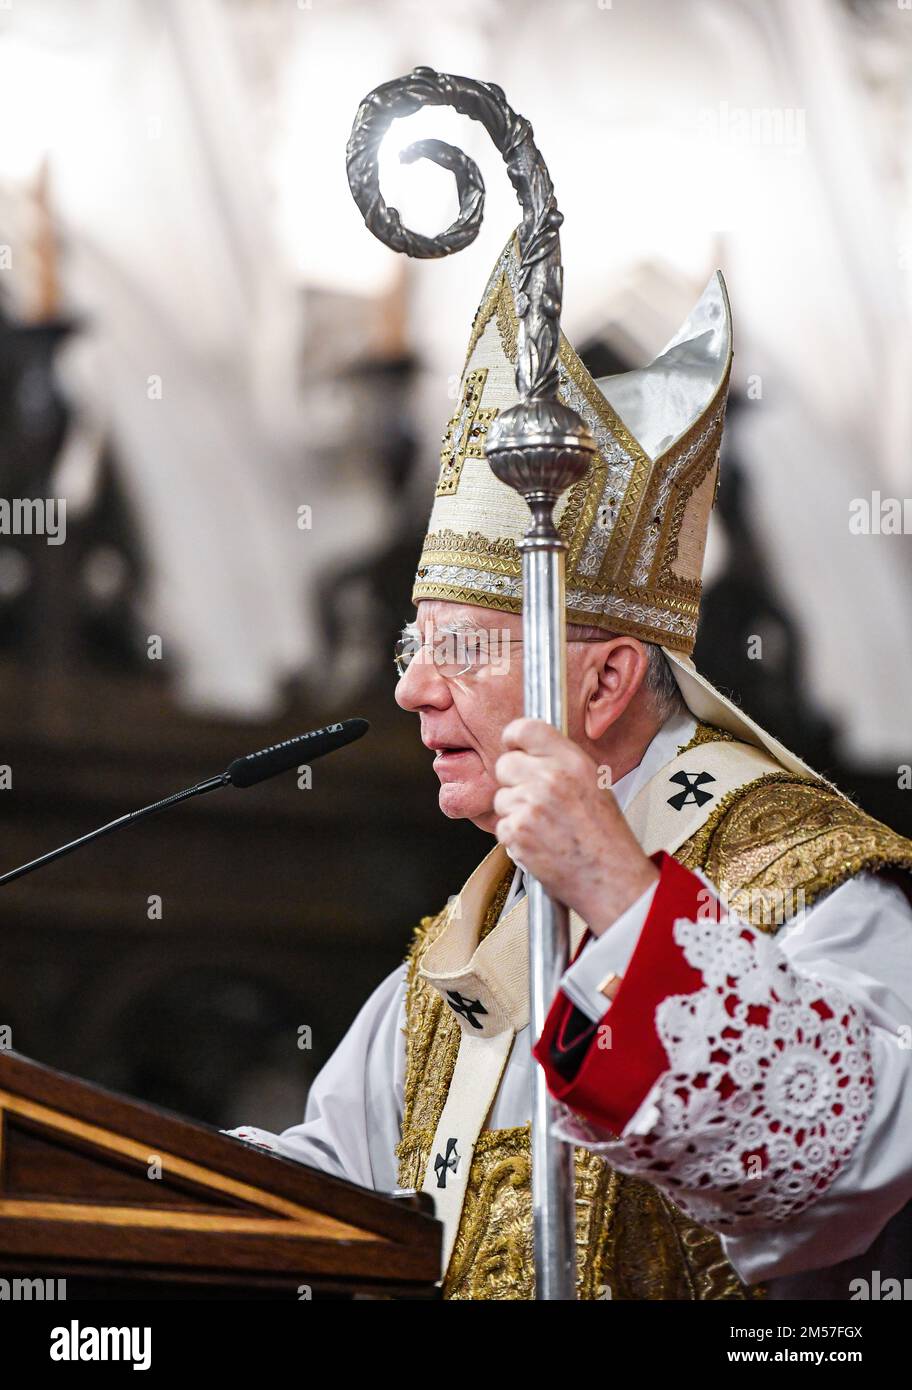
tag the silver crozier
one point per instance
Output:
(539, 447)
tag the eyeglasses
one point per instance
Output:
(461, 648)
(456, 650)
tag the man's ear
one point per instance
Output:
(615, 671)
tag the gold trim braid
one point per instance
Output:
(776, 846)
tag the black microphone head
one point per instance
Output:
(280, 757)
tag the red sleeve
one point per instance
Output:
(611, 1072)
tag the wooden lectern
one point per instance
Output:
(127, 1201)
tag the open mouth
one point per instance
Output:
(449, 753)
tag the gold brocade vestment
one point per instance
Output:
(784, 838)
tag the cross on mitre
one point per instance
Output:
(465, 433)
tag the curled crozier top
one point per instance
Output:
(539, 304)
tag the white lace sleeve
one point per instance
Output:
(769, 1086)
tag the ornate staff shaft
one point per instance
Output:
(539, 447)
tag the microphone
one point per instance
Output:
(243, 772)
(279, 757)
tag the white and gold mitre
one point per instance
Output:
(635, 525)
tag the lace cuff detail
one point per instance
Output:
(768, 1088)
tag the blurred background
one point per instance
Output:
(240, 394)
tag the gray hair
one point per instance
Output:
(659, 680)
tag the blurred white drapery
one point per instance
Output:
(191, 228)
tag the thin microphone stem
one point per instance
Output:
(208, 786)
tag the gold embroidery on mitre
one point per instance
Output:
(450, 548)
(499, 301)
(635, 527)
(465, 433)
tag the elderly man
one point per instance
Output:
(731, 1041)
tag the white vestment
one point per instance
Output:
(858, 938)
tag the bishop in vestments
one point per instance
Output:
(731, 1040)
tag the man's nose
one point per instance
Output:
(422, 685)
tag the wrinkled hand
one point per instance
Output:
(566, 829)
